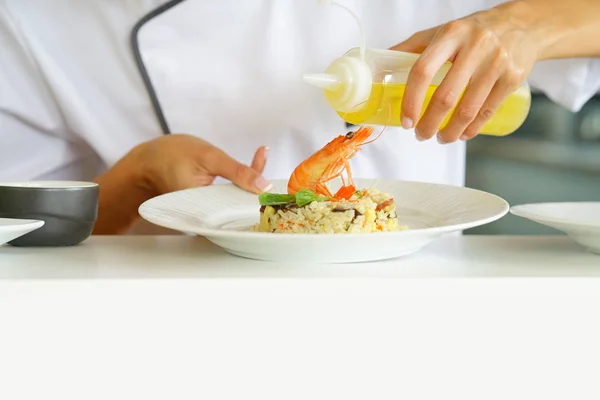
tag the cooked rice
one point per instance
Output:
(373, 212)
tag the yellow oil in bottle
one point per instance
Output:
(509, 117)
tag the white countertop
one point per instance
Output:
(127, 318)
(183, 256)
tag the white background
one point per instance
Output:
(301, 339)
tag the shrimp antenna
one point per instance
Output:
(387, 122)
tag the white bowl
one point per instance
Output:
(579, 220)
(225, 213)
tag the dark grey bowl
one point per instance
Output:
(69, 210)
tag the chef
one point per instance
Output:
(150, 96)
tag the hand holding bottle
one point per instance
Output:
(491, 55)
(492, 52)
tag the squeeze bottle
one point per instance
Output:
(365, 85)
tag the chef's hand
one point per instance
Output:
(492, 53)
(176, 162)
(163, 165)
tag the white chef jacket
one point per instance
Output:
(73, 101)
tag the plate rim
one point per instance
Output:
(504, 208)
(518, 211)
(22, 222)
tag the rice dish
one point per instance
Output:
(364, 212)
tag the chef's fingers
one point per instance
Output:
(417, 43)
(260, 159)
(243, 176)
(421, 75)
(448, 93)
(474, 97)
(500, 91)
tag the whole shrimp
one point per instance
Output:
(329, 163)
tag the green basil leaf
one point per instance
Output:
(274, 199)
(306, 196)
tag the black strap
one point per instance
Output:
(140, 62)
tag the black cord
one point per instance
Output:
(140, 62)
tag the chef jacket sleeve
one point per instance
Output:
(567, 82)
(34, 140)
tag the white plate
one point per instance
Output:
(224, 215)
(579, 220)
(13, 228)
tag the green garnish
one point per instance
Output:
(274, 199)
(301, 198)
(358, 193)
(305, 196)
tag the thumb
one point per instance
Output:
(417, 43)
(240, 175)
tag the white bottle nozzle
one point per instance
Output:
(323, 81)
(348, 80)
(363, 44)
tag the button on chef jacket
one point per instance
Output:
(73, 100)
